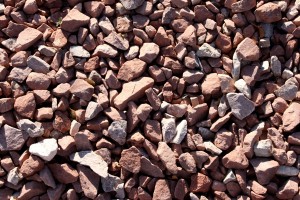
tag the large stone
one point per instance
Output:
(181, 131)
(131, 160)
(240, 105)
(92, 160)
(132, 91)
(162, 190)
(235, 159)
(211, 85)
(46, 149)
(11, 139)
(38, 65)
(268, 13)
(25, 109)
(248, 50)
(168, 129)
(132, 4)
(117, 131)
(117, 41)
(131, 69)
(290, 118)
(200, 183)
(34, 129)
(82, 89)
(206, 50)
(31, 165)
(167, 157)
(147, 167)
(63, 173)
(288, 91)
(27, 38)
(148, 52)
(79, 51)
(89, 181)
(265, 169)
(6, 104)
(31, 189)
(74, 20)
(106, 51)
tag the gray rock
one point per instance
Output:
(287, 91)
(105, 25)
(117, 41)
(13, 176)
(206, 133)
(38, 65)
(210, 147)
(47, 51)
(117, 131)
(236, 63)
(276, 66)
(92, 160)
(11, 139)
(168, 129)
(10, 43)
(181, 131)
(79, 51)
(287, 171)
(19, 74)
(46, 176)
(34, 129)
(113, 183)
(92, 110)
(240, 105)
(131, 4)
(263, 148)
(206, 50)
(242, 86)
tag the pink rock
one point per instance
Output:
(290, 118)
(248, 50)
(131, 69)
(268, 13)
(74, 20)
(28, 109)
(27, 38)
(200, 183)
(131, 159)
(162, 190)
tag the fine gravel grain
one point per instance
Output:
(157, 99)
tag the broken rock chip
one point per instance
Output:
(74, 20)
(147, 167)
(167, 157)
(37, 64)
(265, 169)
(25, 110)
(82, 89)
(206, 50)
(34, 129)
(11, 139)
(79, 51)
(131, 160)
(117, 41)
(240, 105)
(106, 51)
(132, 4)
(27, 38)
(235, 159)
(168, 129)
(248, 50)
(92, 160)
(117, 131)
(148, 52)
(290, 118)
(268, 13)
(131, 69)
(46, 149)
(89, 181)
(181, 131)
(113, 183)
(131, 91)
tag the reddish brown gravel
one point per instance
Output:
(149, 99)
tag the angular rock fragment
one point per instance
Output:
(74, 20)
(113, 183)
(11, 139)
(207, 50)
(92, 160)
(290, 118)
(168, 129)
(131, 69)
(89, 181)
(27, 38)
(131, 160)
(46, 149)
(265, 169)
(167, 157)
(117, 41)
(79, 51)
(82, 89)
(117, 131)
(268, 13)
(241, 107)
(132, 4)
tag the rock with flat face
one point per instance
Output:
(248, 50)
(268, 13)
(147, 167)
(131, 159)
(46, 149)
(79, 51)
(241, 106)
(167, 157)
(11, 139)
(117, 131)
(89, 181)
(168, 129)
(74, 20)
(206, 50)
(38, 65)
(132, 91)
(117, 41)
(25, 109)
(27, 38)
(131, 69)
(34, 129)
(265, 169)
(92, 160)
(82, 89)
(290, 118)
(131, 4)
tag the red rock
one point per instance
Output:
(290, 118)
(242, 5)
(223, 139)
(74, 20)
(202, 13)
(4, 60)
(268, 13)
(196, 113)
(30, 7)
(200, 183)
(26, 110)
(131, 159)
(6, 104)
(148, 52)
(31, 189)
(31, 166)
(38, 81)
(289, 189)
(235, 159)
(27, 38)
(167, 157)
(143, 111)
(161, 38)
(162, 190)
(131, 69)
(132, 91)
(248, 50)
(188, 163)
(94, 8)
(117, 41)
(61, 122)
(223, 42)
(82, 89)
(211, 85)
(265, 169)
(64, 173)
(181, 189)
(89, 181)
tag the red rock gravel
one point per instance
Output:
(158, 99)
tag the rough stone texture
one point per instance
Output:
(117, 131)
(11, 139)
(46, 149)
(248, 50)
(162, 190)
(167, 157)
(200, 183)
(26, 110)
(241, 107)
(131, 69)
(290, 118)
(268, 13)
(89, 181)
(265, 169)
(74, 20)
(27, 38)
(63, 173)
(131, 160)
(82, 89)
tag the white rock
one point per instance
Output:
(286, 74)
(34, 129)
(92, 110)
(263, 148)
(105, 25)
(14, 177)
(193, 196)
(242, 86)
(223, 106)
(287, 171)
(229, 177)
(206, 50)
(209, 146)
(75, 126)
(47, 51)
(92, 160)
(163, 106)
(168, 129)
(79, 51)
(236, 63)
(181, 131)
(265, 67)
(132, 52)
(46, 149)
